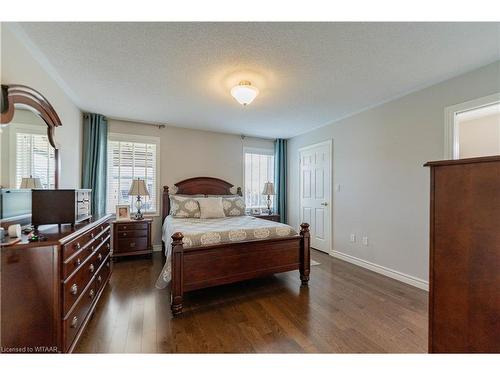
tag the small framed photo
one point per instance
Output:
(122, 212)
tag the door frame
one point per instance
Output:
(328, 142)
(451, 133)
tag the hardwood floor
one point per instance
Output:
(346, 309)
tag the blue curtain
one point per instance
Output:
(94, 167)
(280, 158)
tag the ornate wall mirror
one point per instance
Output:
(29, 153)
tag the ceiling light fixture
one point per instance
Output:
(244, 92)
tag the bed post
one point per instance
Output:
(305, 253)
(177, 273)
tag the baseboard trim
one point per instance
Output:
(157, 248)
(407, 279)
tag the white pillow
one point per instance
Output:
(211, 208)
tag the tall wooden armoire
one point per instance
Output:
(464, 298)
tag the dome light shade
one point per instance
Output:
(244, 92)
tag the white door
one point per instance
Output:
(315, 193)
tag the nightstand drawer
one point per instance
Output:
(132, 233)
(138, 225)
(131, 244)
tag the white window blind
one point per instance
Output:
(259, 169)
(128, 161)
(35, 157)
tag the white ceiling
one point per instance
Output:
(308, 74)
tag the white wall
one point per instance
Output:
(19, 66)
(480, 136)
(186, 153)
(378, 158)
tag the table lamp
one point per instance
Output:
(268, 190)
(138, 189)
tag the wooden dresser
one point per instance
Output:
(50, 288)
(464, 299)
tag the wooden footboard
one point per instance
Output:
(201, 267)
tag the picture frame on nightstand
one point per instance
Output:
(122, 212)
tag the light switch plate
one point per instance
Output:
(365, 240)
(353, 237)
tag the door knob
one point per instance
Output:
(324, 204)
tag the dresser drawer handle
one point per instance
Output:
(132, 244)
(91, 268)
(107, 264)
(124, 227)
(108, 245)
(78, 261)
(78, 245)
(74, 322)
(102, 239)
(92, 235)
(99, 279)
(74, 289)
(99, 257)
(91, 293)
(125, 234)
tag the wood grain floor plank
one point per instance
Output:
(345, 309)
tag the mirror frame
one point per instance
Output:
(38, 104)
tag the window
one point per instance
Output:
(34, 157)
(132, 157)
(259, 169)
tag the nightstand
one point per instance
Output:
(131, 237)
(272, 217)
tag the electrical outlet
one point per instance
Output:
(365, 240)
(353, 237)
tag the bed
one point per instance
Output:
(201, 253)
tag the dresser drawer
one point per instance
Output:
(135, 244)
(72, 324)
(102, 252)
(132, 234)
(77, 244)
(71, 264)
(73, 287)
(138, 225)
(103, 274)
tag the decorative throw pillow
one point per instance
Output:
(184, 207)
(234, 206)
(211, 208)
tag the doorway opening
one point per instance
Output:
(472, 129)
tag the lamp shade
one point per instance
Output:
(268, 189)
(138, 188)
(30, 183)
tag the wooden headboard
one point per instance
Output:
(197, 185)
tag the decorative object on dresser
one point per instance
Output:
(65, 206)
(268, 190)
(271, 217)
(50, 289)
(205, 266)
(464, 278)
(132, 237)
(138, 189)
